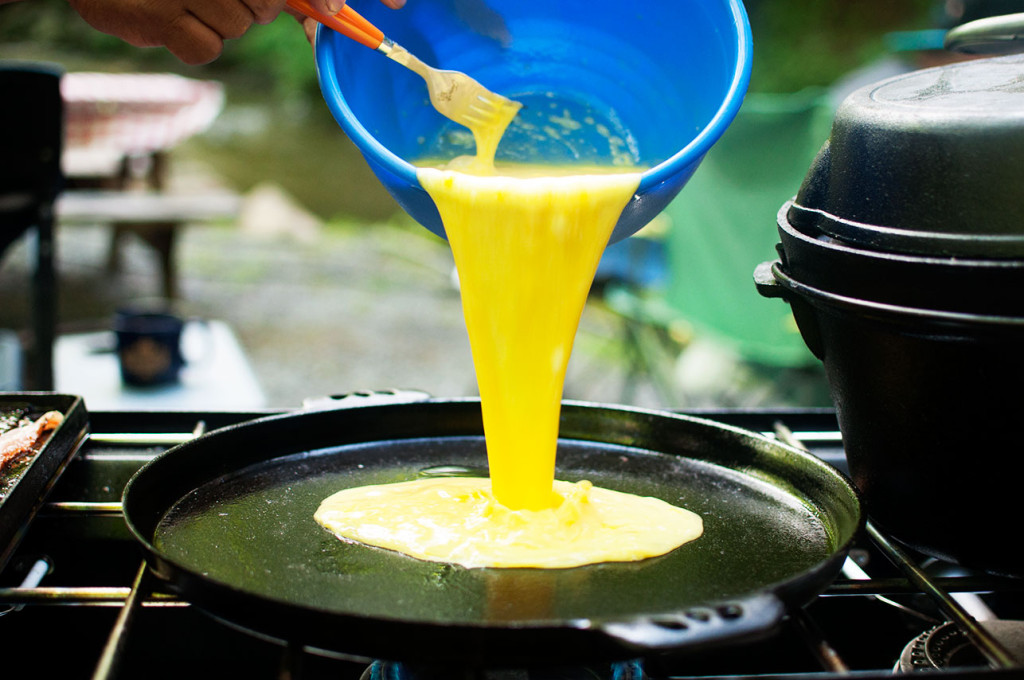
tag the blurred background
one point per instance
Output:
(327, 288)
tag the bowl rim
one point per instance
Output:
(650, 178)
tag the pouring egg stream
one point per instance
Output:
(526, 240)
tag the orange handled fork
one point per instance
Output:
(348, 22)
(454, 94)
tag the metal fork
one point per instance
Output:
(454, 94)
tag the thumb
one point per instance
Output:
(309, 26)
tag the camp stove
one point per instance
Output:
(78, 600)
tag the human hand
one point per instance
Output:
(192, 30)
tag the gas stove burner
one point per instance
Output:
(624, 670)
(947, 647)
(94, 562)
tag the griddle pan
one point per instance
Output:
(227, 521)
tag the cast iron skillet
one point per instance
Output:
(227, 521)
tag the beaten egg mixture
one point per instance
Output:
(526, 240)
(458, 520)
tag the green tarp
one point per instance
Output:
(723, 225)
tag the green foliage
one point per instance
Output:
(53, 28)
(797, 43)
(801, 43)
(278, 53)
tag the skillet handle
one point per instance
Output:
(729, 621)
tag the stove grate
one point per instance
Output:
(116, 625)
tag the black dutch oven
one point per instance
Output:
(954, 284)
(227, 521)
(929, 404)
(926, 163)
(902, 257)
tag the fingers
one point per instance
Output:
(229, 20)
(309, 26)
(193, 30)
(196, 32)
(264, 11)
(328, 7)
(332, 7)
(192, 41)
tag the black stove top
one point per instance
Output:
(63, 594)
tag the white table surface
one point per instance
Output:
(216, 376)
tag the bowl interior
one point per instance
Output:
(601, 82)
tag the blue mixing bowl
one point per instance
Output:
(653, 83)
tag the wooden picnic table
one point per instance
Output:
(120, 129)
(156, 217)
(110, 118)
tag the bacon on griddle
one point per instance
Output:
(25, 439)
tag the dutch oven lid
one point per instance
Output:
(928, 162)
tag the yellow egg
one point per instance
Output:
(457, 520)
(526, 240)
